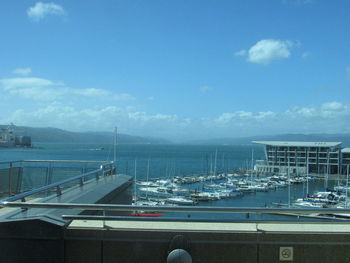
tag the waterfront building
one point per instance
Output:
(303, 157)
(345, 159)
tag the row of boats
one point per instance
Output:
(332, 198)
(190, 190)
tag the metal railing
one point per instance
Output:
(23, 175)
(160, 209)
(106, 168)
(196, 209)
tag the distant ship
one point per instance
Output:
(9, 140)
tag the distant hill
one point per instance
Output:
(62, 136)
(344, 138)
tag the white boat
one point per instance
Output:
(155, 191)
(204, 196)
(144, 202)
(180, 201)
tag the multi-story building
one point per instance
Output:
(304, 157)
(345, 160)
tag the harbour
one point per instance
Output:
(83, 209)
(187, 175)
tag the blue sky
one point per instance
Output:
(177, 69)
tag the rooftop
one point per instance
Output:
(345, 150)
(299, 144)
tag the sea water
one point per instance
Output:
(164, 160)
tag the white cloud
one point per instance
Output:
(22, 71)
(333, 106)
(40, 10)
(334, 110)
(99, 119)
(40, 89)
(264, 115)
(232, 117)
(95, 109)
(31, 88)
(301, 112)
(267, 50)
(12, 83)
(328, 110)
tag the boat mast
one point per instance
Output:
(135, 181)
(223, 162)
(115, 146)
(216, 156)
(307, 175)
(252, 163)
(288, 183)
(147, 175)
(347, 186)
(328, 171)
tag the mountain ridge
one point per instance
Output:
(56, 135)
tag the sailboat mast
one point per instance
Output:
(307, 175)
(216, 156)
(347, 186)
(288, 183)
(115, 146)
(135, 181)
(147, 170)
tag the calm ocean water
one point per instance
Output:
(168, 161)
(164, 160)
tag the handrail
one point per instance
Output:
(196, 209)
(56, 184)
(198, 220)
(52, 161)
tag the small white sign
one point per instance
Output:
(286, 253)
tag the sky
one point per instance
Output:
(177, 69)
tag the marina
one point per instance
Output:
(69, 203)
(233, 189)
(215, 176)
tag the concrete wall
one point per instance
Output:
(216, 242)
(145, 241)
